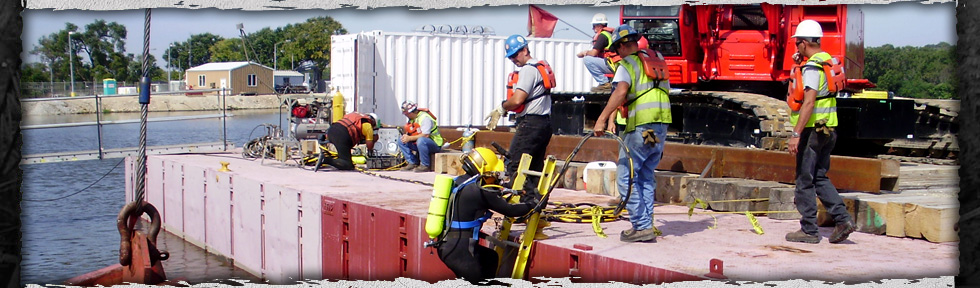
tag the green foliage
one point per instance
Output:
(914, 72)
(227, 50)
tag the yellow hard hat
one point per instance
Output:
(478, 161)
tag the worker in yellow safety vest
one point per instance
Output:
(640, 86)
(813, 139)
(421, 136)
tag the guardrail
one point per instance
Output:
(102, 152)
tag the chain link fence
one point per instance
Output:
(82, 88)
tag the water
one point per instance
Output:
(67, 234)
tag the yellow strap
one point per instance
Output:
(596, 219)
(755, 223)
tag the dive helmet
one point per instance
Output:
(514, 44)
(478, 161)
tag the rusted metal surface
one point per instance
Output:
(143, 268)
(848, 173)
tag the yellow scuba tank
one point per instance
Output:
(438, 206)
(338, 106)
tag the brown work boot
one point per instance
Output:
(802, 237)
(408, 167)
(422, 168)
(841, 232)
(630, 235)
(605, 87)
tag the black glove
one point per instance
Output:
(530, 200)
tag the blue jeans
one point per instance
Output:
(598, 68)
(645, 160)
(424, 146)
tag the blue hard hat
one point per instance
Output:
(513, 44)
(624, 33)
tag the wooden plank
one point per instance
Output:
(711, 189)
(895, 217)
(931, 218)
(448, 163)
(672, 187)
(574, 178)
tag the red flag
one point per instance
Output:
(540, 23)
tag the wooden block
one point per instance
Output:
(711, 189)
(895, 217)
(932, 219)
(781, 199)
(749, 189)
(868, 212)
(602, 181)
(824, 219)
(574, 177)
(672, 187)
(448, 163)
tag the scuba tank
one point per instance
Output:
(438, 206)
(337, 102)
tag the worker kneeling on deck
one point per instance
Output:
(353, 129)
(473, 196)
(640, 90)
(421, 136)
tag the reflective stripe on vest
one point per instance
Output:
(653, 104)
(824, 107)
(434, 133)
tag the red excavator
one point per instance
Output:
(733, 61)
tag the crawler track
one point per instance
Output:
(753, 120)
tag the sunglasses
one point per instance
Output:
(798, 41)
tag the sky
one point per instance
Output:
(898, 24)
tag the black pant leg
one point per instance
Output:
(338, 135)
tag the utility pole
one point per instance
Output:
(71, 63)
(275, 54)
(170, 62)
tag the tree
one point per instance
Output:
(311, 39)
(197, 50)
(916, 72)
(227, 50)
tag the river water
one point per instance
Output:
(69, 230)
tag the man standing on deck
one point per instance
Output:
(355, 128)
(531, 100)
(647, 117)
(812, 141)
(421, 136)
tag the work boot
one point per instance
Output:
(422, 168)
(841, 232)
(802, 237)
(604, 87)
(630, 235)
(408, 167)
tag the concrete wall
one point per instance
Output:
(157, 103)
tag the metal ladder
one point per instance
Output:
(533, 222)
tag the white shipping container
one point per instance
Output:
(459, 77)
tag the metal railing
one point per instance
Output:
(122, 152)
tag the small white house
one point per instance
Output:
(238, 77)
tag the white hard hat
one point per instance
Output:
(599, 18)
(809, 28)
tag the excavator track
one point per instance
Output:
(934, 140)
(750, 120)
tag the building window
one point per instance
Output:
(200, 81)
(252, 80)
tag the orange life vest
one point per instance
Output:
(654, 68)
(548, 80)
(834, 73)
(412, 128)
(353, 122)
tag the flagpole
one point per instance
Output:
(573, 27)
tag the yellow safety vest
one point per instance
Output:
(647, 103)
(825, 107)
(434, 133)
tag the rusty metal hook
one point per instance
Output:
(125, 223)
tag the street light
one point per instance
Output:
(275, 54)
(170, 61)
(71, 63)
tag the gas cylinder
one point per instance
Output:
(338, 106)
(436, 221)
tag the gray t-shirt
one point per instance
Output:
(530, 80)
(425, 124)
(811, 78)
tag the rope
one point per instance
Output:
(144, 107)
(83, 189)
